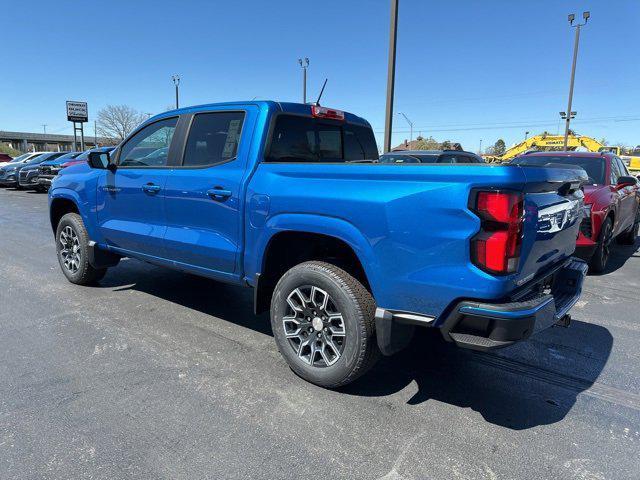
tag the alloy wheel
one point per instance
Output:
(314, 327)
(70, 251)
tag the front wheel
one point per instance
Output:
(601, 256)
(72, 247)
(323, 324)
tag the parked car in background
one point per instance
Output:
(5, 158)
(612, 201)
(430, 156)
(28, 174)
(9, 171)
(48, 170)
(347, 254)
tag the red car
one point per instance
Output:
(611, 199)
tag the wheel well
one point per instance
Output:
(59, 208)
(287, 249)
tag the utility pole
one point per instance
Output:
(304, 63)
(391, 75)
(44, 127)
(571, 17)
(176, 82)
(410, 125)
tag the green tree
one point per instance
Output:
(4, 148)
(428, 143)
(499, 147)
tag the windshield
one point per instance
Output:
(594, 166)
(20, 158)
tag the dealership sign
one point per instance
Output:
(77, 112)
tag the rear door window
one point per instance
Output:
(213, 138)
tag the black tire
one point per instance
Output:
(353, 334)
(629, 237)
(72, 248)
(600, 257)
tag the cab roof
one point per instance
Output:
(266, 105)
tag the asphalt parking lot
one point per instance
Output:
(159, 374)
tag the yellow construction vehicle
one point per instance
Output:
(632, 160)
(548, 143)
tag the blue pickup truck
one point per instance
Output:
(349, 255)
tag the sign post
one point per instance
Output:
(77, 113)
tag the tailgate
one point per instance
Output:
(553, 212)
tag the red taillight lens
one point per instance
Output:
(496, 248)
(324, 112)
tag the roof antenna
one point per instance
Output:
(321, 91)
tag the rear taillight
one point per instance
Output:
(324, 112)
(496, 248)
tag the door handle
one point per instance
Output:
(219, 193)
(151, 188)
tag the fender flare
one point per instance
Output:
(322, 225)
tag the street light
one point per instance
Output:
(176, 82)
(526, 134)
(571, 18)
(410, 125)
(304, 63)
(391, 75)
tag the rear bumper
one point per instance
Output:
(486, 326)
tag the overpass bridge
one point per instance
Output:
(47, 142)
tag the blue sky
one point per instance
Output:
(466, 70)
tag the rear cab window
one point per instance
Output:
(298, 138)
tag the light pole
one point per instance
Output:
(391, 75)
(571, 17)
(304, 63)
(563, 116)
(176, 82)
(44, 127)
(410, 125)
(526, 134)
(480, 148)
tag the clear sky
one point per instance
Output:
(466, 71)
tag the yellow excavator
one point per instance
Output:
(549, 143)
(632, 160)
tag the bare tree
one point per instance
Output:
(117, 121)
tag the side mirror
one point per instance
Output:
(627, 181)
(101, 160)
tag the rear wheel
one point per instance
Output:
(629, 237)
(601, 256)
(72, 247)
(323, 324)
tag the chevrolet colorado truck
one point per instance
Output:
(349, 255)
